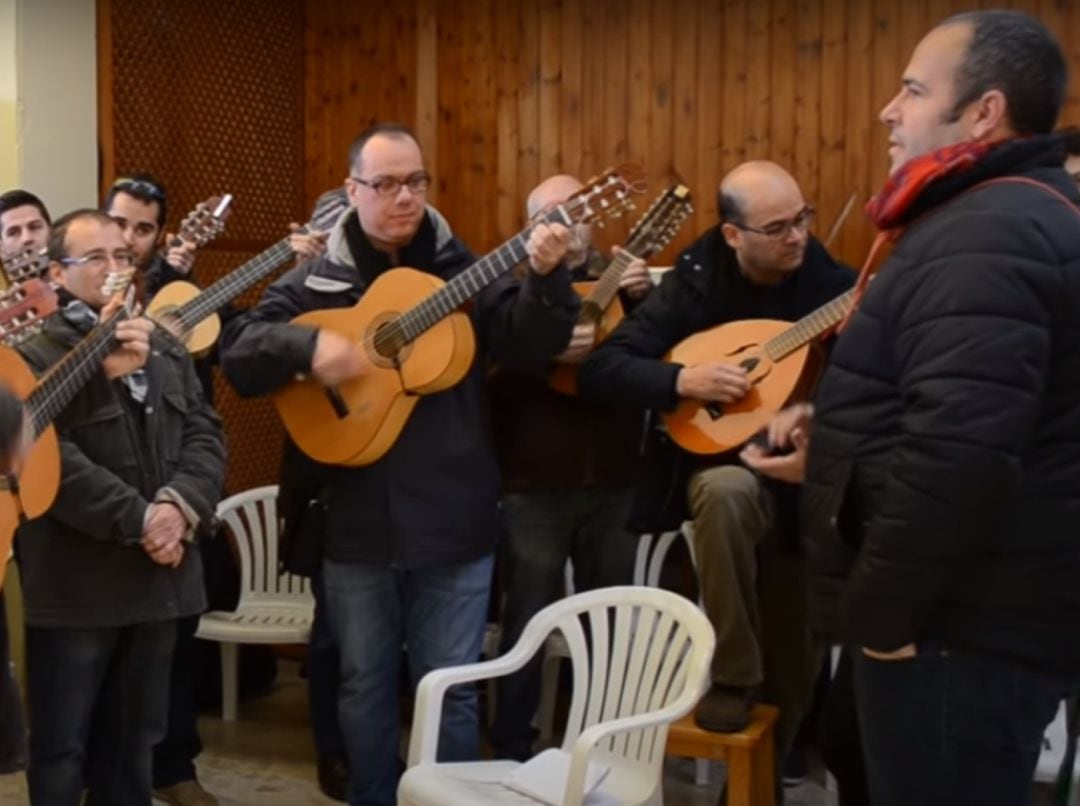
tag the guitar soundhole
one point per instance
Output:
(714, 410)
(388, 343)
(750, 364)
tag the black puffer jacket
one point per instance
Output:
(943, 490)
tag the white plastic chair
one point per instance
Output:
(652, 550)
(643, 665)
(273, 608)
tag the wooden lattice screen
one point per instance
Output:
(208, 96)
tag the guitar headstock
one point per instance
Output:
(23, 309)
(661, 222)
(206, 221)
(26, 265)
(609, 194)
(328, 209)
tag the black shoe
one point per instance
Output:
(334, 776)
(725, 709)
(794, 770)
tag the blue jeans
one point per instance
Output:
(100, 688)
(439, 615)
(952, 726)
(323, 673)
(544, 531)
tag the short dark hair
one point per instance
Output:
(142, 186)
(728, 208)
(58, 236)
(23, 198)
(1016, 54)
(395, 131)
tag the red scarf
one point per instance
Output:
(887, 208)
(902, 188)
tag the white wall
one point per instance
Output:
(48, 100)
(9, 158)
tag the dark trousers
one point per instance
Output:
(174, 757)
(324, 678)
(841, 741)
(544, 531)
(105, 687)
(755, 593)
(952, 726)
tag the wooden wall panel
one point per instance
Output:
(505, 93)
(263, 100)
(209, 97)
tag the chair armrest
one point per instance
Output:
(427, 712)
(574, 793)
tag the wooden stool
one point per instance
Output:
(748, 754)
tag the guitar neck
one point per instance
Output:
(58, 387)
(638, 244)
(235, 283)
(809, 327)
(462, 288)
(608, 285)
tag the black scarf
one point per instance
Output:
(419, 253)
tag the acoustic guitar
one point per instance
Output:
(776, 356)
(416, 339)
(30, 492)
(190, 313)
(600, 304)
(23, 309)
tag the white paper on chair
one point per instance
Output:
(544, 776)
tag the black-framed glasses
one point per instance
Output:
(139, 186)
(99, 260)
(391, 185)
(779, 230)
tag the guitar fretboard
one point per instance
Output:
(639, 244)
(809, 327)
(462, 288)
(58, 387)
(608, 285)
(234, 284)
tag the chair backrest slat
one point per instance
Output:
(252, 519)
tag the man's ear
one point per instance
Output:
(991, 116)
(57, 273)
(732, 234)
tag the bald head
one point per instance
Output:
(552, 191)
(752, 185)
(764, 219)
(546, 196)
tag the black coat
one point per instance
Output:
(81, 562)
(943, 490)
(433, 498)
(704, 289)
(548, 441)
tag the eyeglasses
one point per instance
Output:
(779, 230)
(139, 186)
(99, 260)
(391, 186)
